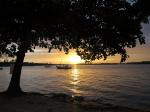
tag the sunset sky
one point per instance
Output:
(140, 53)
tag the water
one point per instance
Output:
(127, 85)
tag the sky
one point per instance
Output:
(139, 53)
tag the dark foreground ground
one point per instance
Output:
(34, 102)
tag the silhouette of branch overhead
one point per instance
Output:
(95, 28)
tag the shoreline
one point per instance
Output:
(6, 64)
(57, 102)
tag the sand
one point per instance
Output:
(34, 102)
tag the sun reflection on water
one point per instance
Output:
(74, 76)
(74, 80)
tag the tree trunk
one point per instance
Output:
(14, 86)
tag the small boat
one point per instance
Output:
(47, 66)
(64, 66)
(1, 68)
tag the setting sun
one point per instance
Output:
(74, 59)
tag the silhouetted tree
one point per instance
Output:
(95, 28)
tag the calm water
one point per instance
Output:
(127, 85)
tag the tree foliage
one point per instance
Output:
(95, 28)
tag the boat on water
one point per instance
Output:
(47, 66)
(64, 66)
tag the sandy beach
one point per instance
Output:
(34, 102)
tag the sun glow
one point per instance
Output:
(74, 59)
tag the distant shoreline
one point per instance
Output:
(49, 64)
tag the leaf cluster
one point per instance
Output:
(95, 28)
